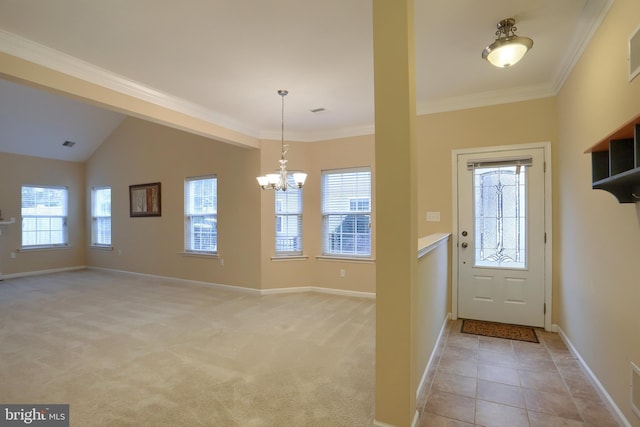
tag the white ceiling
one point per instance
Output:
(226, 59)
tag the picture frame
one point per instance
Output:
(145, 200)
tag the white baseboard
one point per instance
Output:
(377, 423)
(342, 292)
(414, 422)
(433, 354)
(292, 290)
(41, 272)
(594, 380)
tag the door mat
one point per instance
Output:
(499, 330)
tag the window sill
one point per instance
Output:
(101, 247)
(200, 254)
(290, 258)
(345, 259)
(43, 248)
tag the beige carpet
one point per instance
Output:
(128, 350)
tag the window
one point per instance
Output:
(346, 212)
(289, 220)
(101, 216)
(44, 216)
(201, 214)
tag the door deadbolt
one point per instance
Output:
(464, 234)
(464, 245)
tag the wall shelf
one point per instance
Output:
(615, 163)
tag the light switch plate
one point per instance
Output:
(433, 216)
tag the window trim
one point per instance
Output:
(65, 222)
(295, 254)
(342, 256)
(187, 218)
(94, 244)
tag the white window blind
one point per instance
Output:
(289, 220)
(44, 216)
(346, 212)
(201, 214)
(101, 216)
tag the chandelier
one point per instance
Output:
(278, 181)
(508, 48)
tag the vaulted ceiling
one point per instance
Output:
(224, 60)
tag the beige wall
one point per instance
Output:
(141, 152)
(439, 134)
(430, 303)
(15, 171)
(313, 158)
(599, 239)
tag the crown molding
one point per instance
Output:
(31, 51)
(592, 16)
(485, 99)
(322, 135)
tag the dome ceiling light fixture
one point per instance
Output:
(279, 181)
(508, 48)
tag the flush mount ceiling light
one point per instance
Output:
(278, 181)
(508, 48)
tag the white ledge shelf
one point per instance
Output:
(427, 243)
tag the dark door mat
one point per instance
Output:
(499, 330)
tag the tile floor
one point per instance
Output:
(481, 381)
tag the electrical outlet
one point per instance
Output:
(343, 272)
(12, 254)
(221, 262)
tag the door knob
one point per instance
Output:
(464, 245)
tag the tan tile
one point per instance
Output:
(538, 365)
(496, 415)
(596, 413)
(432, 420)
(545, 381)
(551, 403)
(570, 369)
(500, 393)
(523, 346)
(463, 340)
(467, 368)
(495, 344)
(507, 359)
(581, 388)
(500, 374)
(537, 419)
(457, 351)
(456, 384)
(449, 405)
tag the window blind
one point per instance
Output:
(346, 212)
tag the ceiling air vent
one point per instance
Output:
(68, 144)
(318, 110)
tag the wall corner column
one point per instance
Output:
(396, 210)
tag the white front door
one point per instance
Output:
(501, 236)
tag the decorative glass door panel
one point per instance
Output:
(500, 216)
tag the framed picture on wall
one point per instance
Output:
(144, 200)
